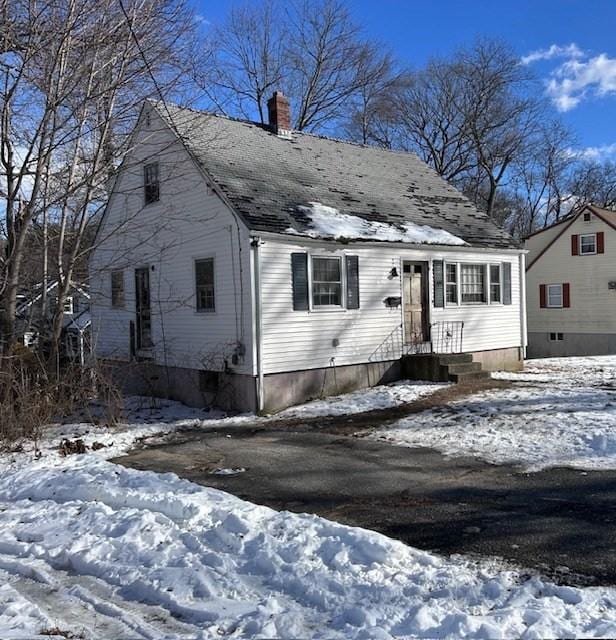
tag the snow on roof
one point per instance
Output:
(328, 222)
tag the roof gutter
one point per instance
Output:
(295, 239)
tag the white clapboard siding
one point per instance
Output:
(593, 304)
(295, 340)
(189, 222)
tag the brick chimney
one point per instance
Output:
(279, 113)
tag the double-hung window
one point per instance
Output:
(473, 281)
(451, 283)
(326, 281)
(151, 185)
(495, 283)
(555, 295)
(204, 282)
(588, 244)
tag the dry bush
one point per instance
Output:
(31, 397)
(26, 397)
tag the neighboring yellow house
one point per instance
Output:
(571, 286)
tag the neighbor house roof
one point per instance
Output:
(272, 181)
(607, 215)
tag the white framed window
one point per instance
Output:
(556, 337)
(68, 304)
(451, 283)
(327, 284)
(588, 244)
(555, 295)
(117, 288)
(204, 285)
(473, 283)
(496, 288)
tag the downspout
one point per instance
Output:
(523, 321)
(258, 325)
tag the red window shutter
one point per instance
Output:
(600, 242)
(566, 295)
(542, 296)
(575, 244)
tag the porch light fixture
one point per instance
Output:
(393, 273)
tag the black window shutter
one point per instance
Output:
(507, 283)
(352, 279)
(439, 285)
(299, 267)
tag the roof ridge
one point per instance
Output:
(263, 125)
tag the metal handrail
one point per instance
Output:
(447, 336)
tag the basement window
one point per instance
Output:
(556, 337)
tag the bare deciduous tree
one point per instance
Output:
(310, 49)
(72, 73)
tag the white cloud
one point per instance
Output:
(579, 77)
(594, 153)
(570, 51)
(575, 80)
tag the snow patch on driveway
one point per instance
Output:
(558, 412)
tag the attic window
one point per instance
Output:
(587, 216)
(68, 305)
(151, 187)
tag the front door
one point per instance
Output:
(415, 280)
(142, 308)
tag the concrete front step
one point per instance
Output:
(446, 367)
(454, 358)
(463, 367)
(471, 376)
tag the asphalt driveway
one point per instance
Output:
(559, 521)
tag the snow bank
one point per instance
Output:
(328, 222)
(560, 412)
(89, 546)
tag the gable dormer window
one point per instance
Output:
(151, 187)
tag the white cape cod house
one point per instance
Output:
(257, 267)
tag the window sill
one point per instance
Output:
(328, 310)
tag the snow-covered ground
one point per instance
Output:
(92, 548)
(381, 397)
(558, 412)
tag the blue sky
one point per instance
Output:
(569, 44)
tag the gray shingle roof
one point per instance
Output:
(267, 177)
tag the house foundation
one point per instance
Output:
(238, 392)
(572, 344)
